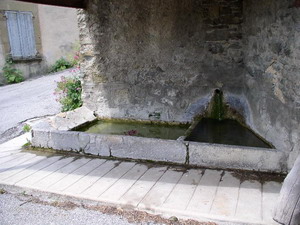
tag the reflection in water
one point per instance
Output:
(225, 131)
(138, 129)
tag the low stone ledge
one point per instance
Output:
(112, 145)
(40, 138)
(97, 144)
(172, 151)
(64, 140)
(236, 157)
(148, 149)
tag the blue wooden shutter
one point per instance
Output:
(21, 34)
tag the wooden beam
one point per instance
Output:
(81, 4)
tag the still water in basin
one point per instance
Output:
(161, 131)
(225, 131)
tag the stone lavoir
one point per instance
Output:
(162, 61)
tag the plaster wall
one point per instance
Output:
(56, 32)
(59, 32)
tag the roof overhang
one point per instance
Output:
(81, 4)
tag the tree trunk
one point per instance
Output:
(287, 210)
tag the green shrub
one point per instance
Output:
(60, 65)
(26, 128)
(11, 74)
(68, 93)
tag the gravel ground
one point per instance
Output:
(16, 210)
(20, 206)
(29, 99)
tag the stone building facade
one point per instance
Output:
(55, 33)
(162, 60)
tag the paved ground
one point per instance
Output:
(201, 194)
(26, 100)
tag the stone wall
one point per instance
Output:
(271, 34)
(163, 60)
(159, 59)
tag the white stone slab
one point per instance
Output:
(123, 184)
(34, 178)
(59, 174)
(76, 175)
(8, 153)
(10, 157)
(108, 180)
(205, 192)
(31, 170)
(16, 143)
(15, 162)
(249, 206)
(88, 180)
(138, 191)
(147, 148)
(21, 167)
(236, 157)
(184, 190)
(225, 201)
(162, 189)
(270, 196)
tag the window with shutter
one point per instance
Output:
(21, 34)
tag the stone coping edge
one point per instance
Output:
(170, 151)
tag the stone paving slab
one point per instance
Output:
(119, 188)
(184, 190)
(203, 197)
(108, 180)
(21, 167)
(87, 181)
(77, 174)
(202, 194)
(31, 170)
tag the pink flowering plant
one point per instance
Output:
(76, 58)
(68, 93)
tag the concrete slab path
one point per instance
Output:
(201, 194)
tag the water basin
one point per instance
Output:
(162, 131)
(225, 131)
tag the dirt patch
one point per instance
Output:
(258, 176)
(133, 216)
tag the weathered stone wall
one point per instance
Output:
(163, 59)
(272, 70)
(159, 59)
